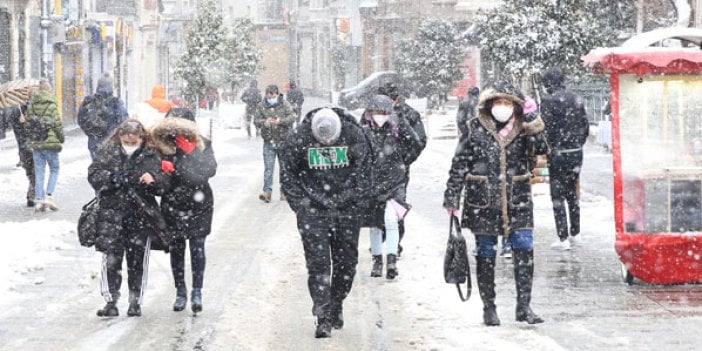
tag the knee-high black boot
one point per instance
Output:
(523, 277)
(486, 286)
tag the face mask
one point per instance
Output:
(502, 113)
(380, 119)
(272, 101)
(129, 150)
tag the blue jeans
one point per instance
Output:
(392, 233)
(522, 239)
(270, 152)
(41, 158)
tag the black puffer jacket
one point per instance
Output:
(415, 121)
(125, 204)
(327, 180)
(395, 146)
(495, 172)
(188, 205)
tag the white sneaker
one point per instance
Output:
(576, 240)
(39, 205)
(561, 245)
(49, 203)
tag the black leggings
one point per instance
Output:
(197, 261)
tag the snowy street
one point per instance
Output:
(255, 292)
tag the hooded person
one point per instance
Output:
(326, 164)
(99, 114)
(492, 164)
(188, 204)
(152, 110)
(395, 145)
(567, 129)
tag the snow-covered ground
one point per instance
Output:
(256, 295)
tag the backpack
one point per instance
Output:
(94, 119)
(36, 126)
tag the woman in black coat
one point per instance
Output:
(127, 175)
(492, 163)
(188, 205)
(395, 146)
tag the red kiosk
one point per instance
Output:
(656, 103)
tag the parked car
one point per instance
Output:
(359, 95)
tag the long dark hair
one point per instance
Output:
(130, 126)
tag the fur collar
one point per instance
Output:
(164, 132)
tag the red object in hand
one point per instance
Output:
(167, 166)
(184, 144)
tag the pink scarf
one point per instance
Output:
(502, 134)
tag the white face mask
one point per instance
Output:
(272, 101)
(129, 150)
(381, 119)
(502, 113)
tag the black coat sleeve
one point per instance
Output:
(292, 156)
(197, 167)
(460, 165)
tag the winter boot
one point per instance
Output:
(324, 326)
(134, 307)
(181, 299)
(110, 310)
(337, 316)
(196, 303)
(486, 286)
(377, 270)
(523, 277)
(134, 310)
(50, 203)
(391, 267)
(39, 205)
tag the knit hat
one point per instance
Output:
(326, 126)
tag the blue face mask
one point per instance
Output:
(272, 101)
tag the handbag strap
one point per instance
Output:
(454, 224)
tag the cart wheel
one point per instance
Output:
(626, 275)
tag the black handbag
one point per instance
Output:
(87, 223)
(456, 265)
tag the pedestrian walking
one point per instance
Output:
(492, 164)
(13, 116)
(275, 118)
(154, 109)
(45, 138)
(126, 173)
(567, 129)
(326, 165)
(99, 114)
(414, 119)
(467, 109)
(251, 97)
(296, 98)
(395, 145)
(188, 204)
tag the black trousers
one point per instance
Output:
(331, 256)
(564, 172)
(197, 261)
(27, 161)
(136, 246)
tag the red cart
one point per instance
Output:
(656, 103)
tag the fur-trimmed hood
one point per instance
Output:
(504, 89)
(164, 132)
